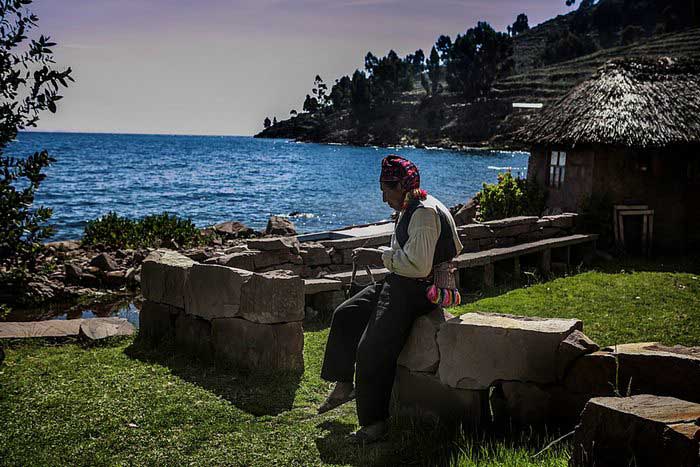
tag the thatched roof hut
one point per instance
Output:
(635, 103)
(630, 133)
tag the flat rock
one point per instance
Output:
(475, 232)
(259, 346)
(102, 328)
(357, 242)
(510, 221)
(643, 430)
(274, 244)
(477, 349)
(49, 328)
(163, 277)
(563, 221)
(241, 260)
(214, 291)
(272, 297)
(266, 259)
(314, 286)
(420, 353)
(64, 245)
(233, 229)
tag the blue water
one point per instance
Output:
(212, 179)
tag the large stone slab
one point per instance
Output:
(643, 430)
(314, 286)
(259, 346)
(420, 353)
(528, 404)
(423, 395)
(214, 291)
(103, 328)
(562, 221)
(163, 277)
(272, 297)
(477, 349)
(265, 259)
(50, 328)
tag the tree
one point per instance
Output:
(29, 85)
(360, 96)
(371, 63)
(274, 121)
(293, 113)
(433, 66)
(425, 83)
(521, 25)
(444, 47)
(266, 122)
(310, 104)
(418, 60)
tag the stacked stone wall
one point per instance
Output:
(251, 320)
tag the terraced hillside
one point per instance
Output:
(547, 84)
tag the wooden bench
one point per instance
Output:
(488, 258)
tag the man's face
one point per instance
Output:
(392, 195)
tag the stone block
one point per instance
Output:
(259, 346)
(193, 334)
(643, 430)
(277, 225)
(240, 260)
(420, 353)
(469, 246)
(314, 286)
(266, 259)
(475, 232)
(533, 404)
(653, 368)
(287, 268)
(163, 277)
(423, 395)
(326, 302)
(314, 254)
(275, 244)
(574, 346)
(214, 291)
(511, 221)
(157, 321)
(563, 221)
(594, 374)
(514, 230)
(272, 297)
(357, 242)
(477, 349)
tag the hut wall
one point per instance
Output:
(578, 178)
(657, 178)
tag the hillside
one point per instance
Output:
(449, 119)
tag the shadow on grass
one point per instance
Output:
(410, 442)
(255, 392)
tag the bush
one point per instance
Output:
(510, 197)
(29, 85)
(114, 231)
(596, 216)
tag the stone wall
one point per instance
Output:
(251, 320)
(528, 370)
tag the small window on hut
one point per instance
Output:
(557, 169)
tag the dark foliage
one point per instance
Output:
(29, 85)
(114, 231)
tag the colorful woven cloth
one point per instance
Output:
(397, 169)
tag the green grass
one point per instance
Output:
(615, 307)
(124, 404)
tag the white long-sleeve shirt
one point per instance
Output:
(415, 259)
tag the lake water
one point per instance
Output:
(212, 179)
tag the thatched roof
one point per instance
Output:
(640, 103)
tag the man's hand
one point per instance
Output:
(367, 257)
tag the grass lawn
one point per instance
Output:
(124, 404)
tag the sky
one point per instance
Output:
(220, 67)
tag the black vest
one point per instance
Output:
(445, 249)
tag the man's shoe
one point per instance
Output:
(332, 402)
(370, 433)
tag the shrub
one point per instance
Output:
(114, 231)
(509, 197)
(596, 216)
(29, 85)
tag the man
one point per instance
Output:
(369, 330)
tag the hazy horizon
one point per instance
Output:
(219, 68)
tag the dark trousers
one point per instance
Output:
(367, 334)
